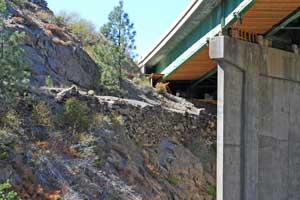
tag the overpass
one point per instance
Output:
(181, 55)
(246, 52)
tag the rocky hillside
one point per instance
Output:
(70, 143)
(50, 51)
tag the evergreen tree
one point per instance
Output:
(104, 55)
(13, 71)
(120, 31)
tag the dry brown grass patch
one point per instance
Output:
(58, 41)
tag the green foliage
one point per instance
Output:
(3, 154)
(13, 72)
(117, 119)
(49, 81)
(101, 50)
(103, 54)
(111, 198)
(82, 28)
(142, 80)
(109, 56)
(120, 32)
(99, 163)
(76, 115)
(173, 180)
(2, 7)
(10, 119)
(6, 193)
(59, 21)
(212, 191)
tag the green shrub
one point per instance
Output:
(173, 180)
(49, 81)
(76, 115)
(142, 81)
(211, 190)
(10, 119)
(59, 21)
(99, 163)
(2, 8)
(13, 71)
(117, 119)
(6, 193)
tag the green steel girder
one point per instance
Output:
(206, 76)
(283, 25)
(218, 18)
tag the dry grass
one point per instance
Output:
(162, 88)
(48, 33)
(43, 15)
(42, 115)
(17, 20)
(58, 41)
(58, 31)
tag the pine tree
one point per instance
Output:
(13, 71)
(120, 31)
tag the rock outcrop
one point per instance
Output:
(51, 51)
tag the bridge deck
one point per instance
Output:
(258, 19)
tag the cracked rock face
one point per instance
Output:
(51, 51)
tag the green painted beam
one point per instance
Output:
(206, 76)
(279, 39)
(291, 28)
(197, 40)
(284, 23)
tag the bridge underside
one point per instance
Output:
(251, 65)
(276, 20)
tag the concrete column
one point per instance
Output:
(229, 166)
(232, 140)
(258, 121)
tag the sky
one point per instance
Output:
(152, 18)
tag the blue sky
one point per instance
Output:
(151, 18)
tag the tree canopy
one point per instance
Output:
(119, 30)
(112, 48)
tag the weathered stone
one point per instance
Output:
(65, 62)
(91, 93)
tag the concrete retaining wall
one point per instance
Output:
(258, 121)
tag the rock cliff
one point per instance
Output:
(50, 51)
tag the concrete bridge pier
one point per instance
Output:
(258, 121)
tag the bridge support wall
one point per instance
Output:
(258, 121)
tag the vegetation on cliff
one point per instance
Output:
(112, 47)
(71, 143)
(13, 71)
